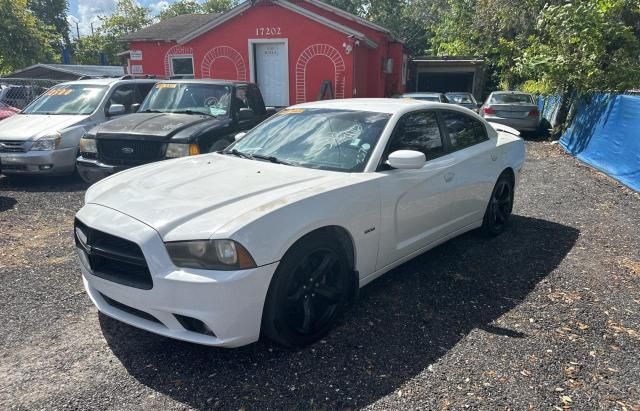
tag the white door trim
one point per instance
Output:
(252, 62)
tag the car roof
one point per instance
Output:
(424, 94)
(207, 81)
(511, 92)
(377, 105)
(107, 81)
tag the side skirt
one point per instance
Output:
(366, 280)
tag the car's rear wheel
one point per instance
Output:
(308, 292)
(499, 208)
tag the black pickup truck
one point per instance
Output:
(178, 118)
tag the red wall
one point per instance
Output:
(315, 52)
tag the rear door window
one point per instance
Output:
(463, 131)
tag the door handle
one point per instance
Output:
(448, 176)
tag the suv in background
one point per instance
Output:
(464, 99)
(44, 137)
(178, 118)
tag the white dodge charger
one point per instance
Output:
(276, 234)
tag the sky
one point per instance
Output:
(86, 11)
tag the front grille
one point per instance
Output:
(113, 258)
(13, 167)
(11, 146)
(129, 152)
(130, 310)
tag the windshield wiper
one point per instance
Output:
(150, 111)
(272, 159)
(191, 112)
(239, 154)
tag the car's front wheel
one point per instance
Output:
(500, 207)
(308, 292)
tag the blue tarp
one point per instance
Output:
(606, 135)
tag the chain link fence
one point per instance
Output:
(19, 92)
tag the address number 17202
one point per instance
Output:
(268, 31)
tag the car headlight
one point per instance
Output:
(47, 143)
(175, 150)
(88, 145)
(210, 255)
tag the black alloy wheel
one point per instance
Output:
(499, 208)
(307, 294)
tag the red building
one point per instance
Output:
(289, 48)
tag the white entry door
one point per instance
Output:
(272, 75)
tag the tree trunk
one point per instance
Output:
(566, 99)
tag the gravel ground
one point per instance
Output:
(545, 316)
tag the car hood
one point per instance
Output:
(194, 197)
(160, 125)
(33, 126)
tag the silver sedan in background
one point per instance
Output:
(512, 108)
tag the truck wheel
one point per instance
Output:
(219, 145)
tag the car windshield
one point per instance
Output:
(326, 139)
(461, 98)
(198, 98)
(511, 99)
(74, 99)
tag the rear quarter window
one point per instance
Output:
(464, 131)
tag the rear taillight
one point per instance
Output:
(488, 110)
(534, 113)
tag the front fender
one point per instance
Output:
(354, 207)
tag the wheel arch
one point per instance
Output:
(347, 244)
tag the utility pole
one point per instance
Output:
(78, 30)
(92, 28)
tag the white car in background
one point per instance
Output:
(43, 139)
(277, 233)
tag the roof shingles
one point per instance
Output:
(171, 29)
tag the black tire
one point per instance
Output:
(219, 145)
(308, 292)
(500, 206)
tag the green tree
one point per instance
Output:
(181, 7)
(53, 13)
(583, 47)
(128, 17)
(219, 6)
(24, 40)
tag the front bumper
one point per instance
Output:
(54, 162)
(93, 171)
(229, 303)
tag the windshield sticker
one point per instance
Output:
(166, 85)
(59, 92)
(291, 111)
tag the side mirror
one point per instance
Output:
(135, 107)
(270, 110)
(115, 109)
(407, 159)
(239, 136)
(245, 114)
